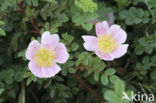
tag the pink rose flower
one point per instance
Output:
(43, 57)
(108, 45)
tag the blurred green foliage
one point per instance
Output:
(24, 20)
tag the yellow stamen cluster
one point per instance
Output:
(44, 57)
(106, 44)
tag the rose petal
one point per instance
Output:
(56, 69)
(120, 50)
(118, 34)
(103, 56)
(35, 69)
(48, 72)
(111, 18)
(49, 41)
(90, 43)
(32, 48)
(101, 28)
(61, 53)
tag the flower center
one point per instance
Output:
(106, 44)
(44, 57)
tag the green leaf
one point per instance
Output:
(129, 21)
(34, 78)
(2, 100)
(113, 78)
(62, 18)
(142, 42)
(111, 97)
(100, 66)
(27, 74)
(138, 20)
(47, 83)
(86, 5)
(28, 2)
(54, 28)
(87, 26)
(110, 71)
(12, 94)
(2, 23)
(29, 80)
(104, 79)
(52, 91)
(132, 10)
(2, 32)
(134, 16)
(21, 53)
(83, 19)
(67, 37)
(153, 75)
(85, 61)
(1, 91)
(139, 50)
(62, 87)
(74, 46)
(122, 3)
(51, 1)
(64, 71)
(70, 63)
(145, 60)
(96, 76)
(47, 26)
(123, 14)
(59, 78)
(35, 2)
(71, 70)
(1, 61)
(119, 87)
(140, 13)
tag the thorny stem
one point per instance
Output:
(142, 88)
(35, 26)
(88, 88)
(22, 10)
(35, 32)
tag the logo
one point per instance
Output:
(138, 97)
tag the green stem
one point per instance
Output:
(92, 53)
(148, 7)
(145, 86)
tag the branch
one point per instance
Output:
(88, 88)
(33, 95)
(21, 96)
(35, 26)
(22, 10)
(23, 92)
(34, 32)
